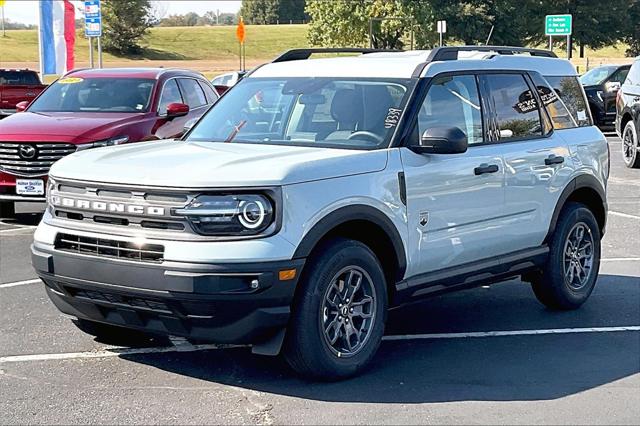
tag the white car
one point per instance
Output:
(229, 79)
(319, 193)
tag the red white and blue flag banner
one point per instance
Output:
(57, 36)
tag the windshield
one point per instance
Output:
(596, 76)
(74, 94)
(323, 112)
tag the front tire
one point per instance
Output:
(7, 210)
(339, 311)
(630, 146)
(571, 271)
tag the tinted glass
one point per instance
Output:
(74, 94)
(558, 112)
(619, 76)
(453, 102)
(170, 95)
(634, 74)
(209, 92)
(596, 75)
(192, 92)
(515, 109)
(324, 112)
(571, 93)
(16, 78)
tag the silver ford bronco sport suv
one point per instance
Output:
(318, 193)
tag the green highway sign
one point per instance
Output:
(557, 25)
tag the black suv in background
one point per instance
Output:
(628, 116)
(601, 85)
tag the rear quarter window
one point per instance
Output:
(18, 78)
(570, 91)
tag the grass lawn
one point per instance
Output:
(212, 50)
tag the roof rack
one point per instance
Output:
(450, 53)
(298, 54)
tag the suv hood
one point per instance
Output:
(206, 164)
(63, 126)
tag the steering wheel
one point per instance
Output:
(367, 134)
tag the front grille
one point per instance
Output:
(115, 201)
(31, 159)
(121, 300)
(102, 247)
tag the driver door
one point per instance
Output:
(454, 201)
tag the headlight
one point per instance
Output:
(241, 214)
(107, 142)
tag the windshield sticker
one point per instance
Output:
(139, 106)
(69, 80)
(393, 117)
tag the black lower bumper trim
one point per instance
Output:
(220, 303)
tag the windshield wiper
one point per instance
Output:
(235, 131)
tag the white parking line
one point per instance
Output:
(17, 283)
(621, 259)
(20, 228)
(630, 216)
(113, 352)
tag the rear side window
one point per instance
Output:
(558, 112)
(571, 93)
(192, 92)
(515, 109)
(17, 78)
(633, 77)
(619, 76)
(208, 91)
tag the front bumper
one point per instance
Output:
(210, 302)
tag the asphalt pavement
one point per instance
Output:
(486, 355)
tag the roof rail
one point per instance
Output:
(450, 53)
(298, 54)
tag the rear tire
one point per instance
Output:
(7, 210)
(570, 274)
(338, 314)
(630, 146)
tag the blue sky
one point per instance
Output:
(26, 11)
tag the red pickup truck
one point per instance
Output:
(17, 86)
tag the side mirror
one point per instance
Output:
(21, 106)
(441, 140)
(177, 110)
(188, 125)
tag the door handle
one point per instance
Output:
(485, 168)
(553, 159)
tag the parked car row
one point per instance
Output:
(613, 93)
(92, 108)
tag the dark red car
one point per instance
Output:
(93, 108)
(17, 86)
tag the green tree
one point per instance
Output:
(342, 23)
(631, 34)
(291, 10)
(125, 22)
(259, 11)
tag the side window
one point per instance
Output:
(560, 115)
(619, 76)
(453, 102)
(192, 92)
(515, 109)
(570, 91)
(170, 94)
(208, 91)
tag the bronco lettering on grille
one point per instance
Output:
(103, 206)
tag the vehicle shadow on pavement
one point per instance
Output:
(510, 368)
(31, 219)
